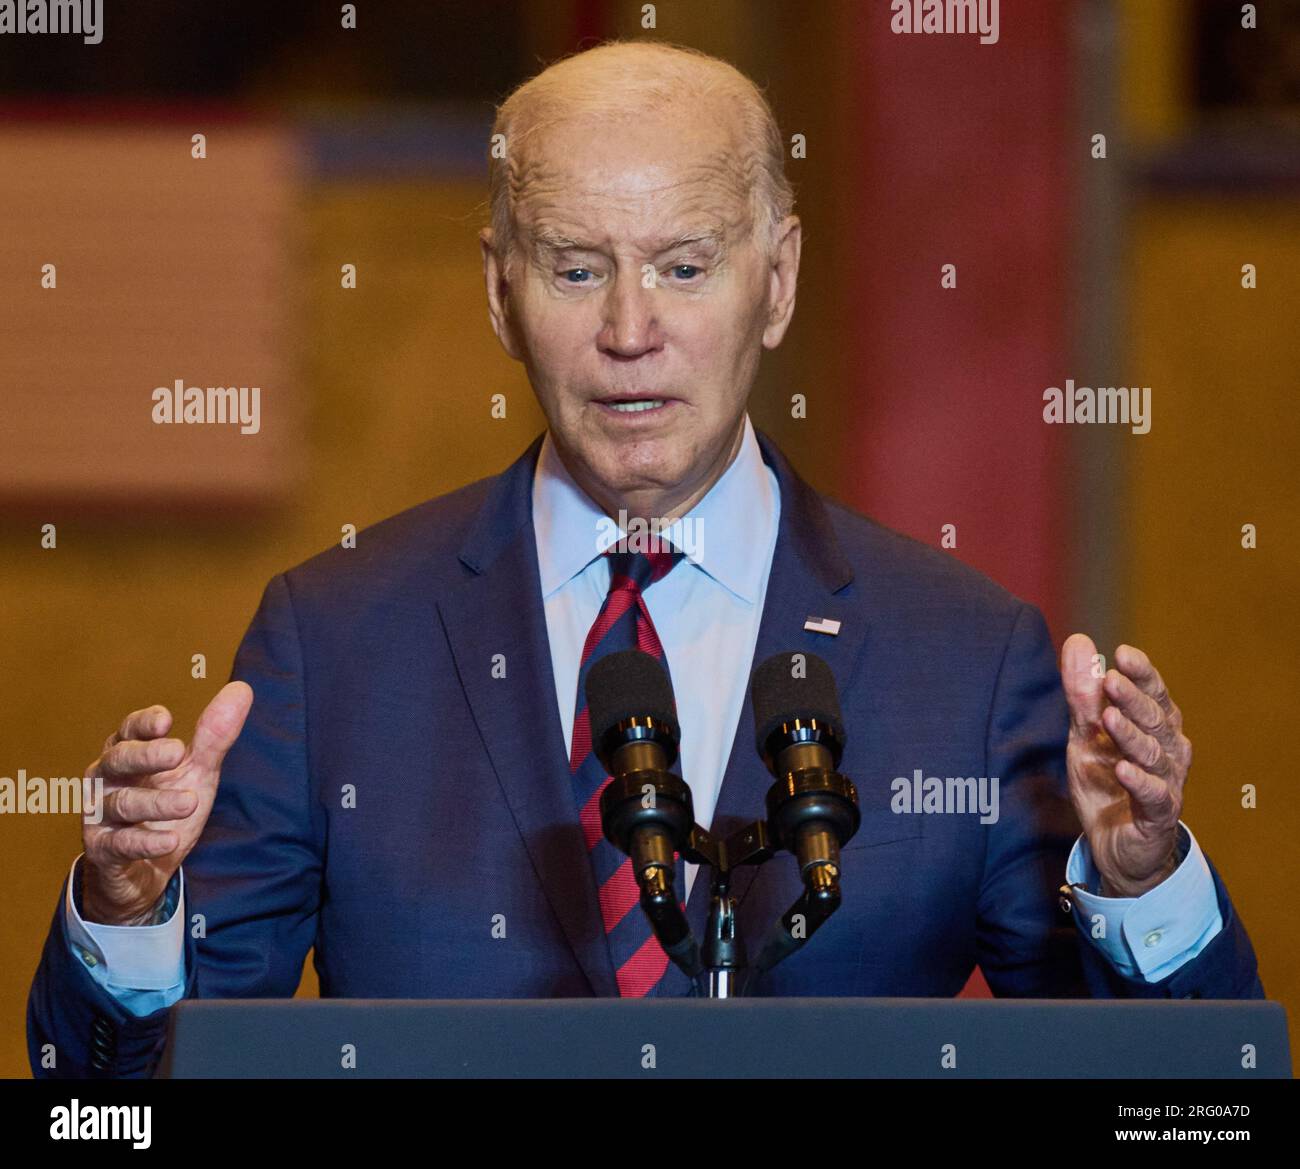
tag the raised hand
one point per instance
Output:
(157, 796)
(1127, 760)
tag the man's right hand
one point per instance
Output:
(157, 797)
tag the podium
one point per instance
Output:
(727, 1038)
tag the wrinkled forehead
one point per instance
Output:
(625, 179)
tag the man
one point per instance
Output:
(388, 779)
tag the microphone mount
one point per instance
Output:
(811, 812)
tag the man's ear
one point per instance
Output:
(498, 292)
(782, 279)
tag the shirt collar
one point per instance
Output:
(728, 536)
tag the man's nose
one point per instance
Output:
(631, 326)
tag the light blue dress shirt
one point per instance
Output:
(142, 966)
(706, 611)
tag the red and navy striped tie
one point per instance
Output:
(623, 623)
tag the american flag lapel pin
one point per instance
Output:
(822, 625)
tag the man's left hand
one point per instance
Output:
(1127, 760)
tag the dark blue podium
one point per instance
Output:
(728, 1038)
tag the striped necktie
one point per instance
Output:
(623, 623)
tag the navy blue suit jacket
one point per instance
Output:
(372, 673)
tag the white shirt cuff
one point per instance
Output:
(131, 957)
(1152, 935)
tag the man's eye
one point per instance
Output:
(576, 275)
(684, 271)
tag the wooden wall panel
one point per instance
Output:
(167, 267)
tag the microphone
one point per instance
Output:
(811, 808)
(645, 810)
(799, 731)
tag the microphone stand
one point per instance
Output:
(726, 972)
(811, 811)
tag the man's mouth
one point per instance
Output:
(635, 405)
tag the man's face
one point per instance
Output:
(639, 298)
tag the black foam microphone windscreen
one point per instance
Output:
(627, 684)
(789, 686)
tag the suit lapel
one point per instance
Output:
(497, 609)
(808, 577)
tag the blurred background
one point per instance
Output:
(127, 263)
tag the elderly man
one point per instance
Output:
(401, 772)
